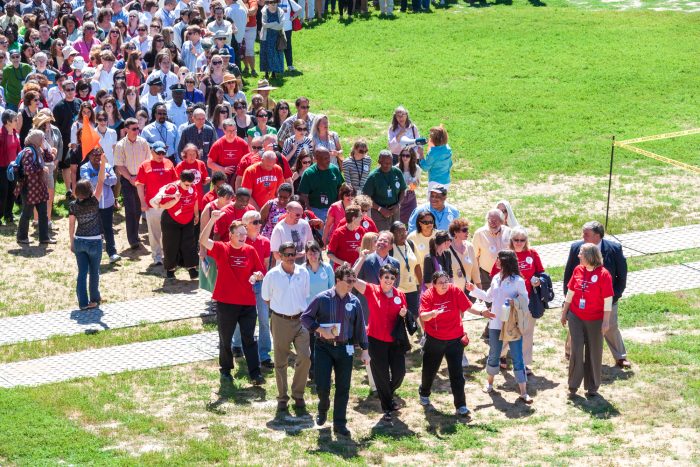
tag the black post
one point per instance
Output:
(607, 206)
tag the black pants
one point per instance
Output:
(179, 244)
(132, 211)
(433, 351)
(7, 195)
(288, 51)
(107, 219)
(404, 5)
(332, 5)
(346, 4)
(27, 215)
(228, 316)
(413, 303)
(237, 50)
(330, 359)
(415, 5)
(388, 365)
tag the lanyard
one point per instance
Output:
(361, 169)
(404, 255)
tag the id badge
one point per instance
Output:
(350, 349)
(389, 193)
(324, 200)
(582, 303)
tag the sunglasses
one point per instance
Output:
(116, 33)
(288, 255)
(141, 29)
(256, 222)
(405, 156)
(304, 106)
(14, 56)
(256, 148)
(218, 63)
(160, 40)
(284, 108)
(262, 116)
(223, 112)
(133, 128)
(426, 222)
(301, 129)
(69, 89)
(89, 28)
(189, 82)
(519, 240)
(101, 119)
(350, 281)
(465, 230)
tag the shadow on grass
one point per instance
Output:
(292, 425)
(610, 374)
(345, 447)
(441, 424)
(236, 395)
(516, 410)
(597, 406)
(176, 285)
(31, 251)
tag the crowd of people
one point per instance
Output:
(295, 237)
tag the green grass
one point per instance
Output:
(682, 149)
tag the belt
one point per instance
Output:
(290, 318)
(333, 343)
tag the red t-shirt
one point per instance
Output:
(254, 157)
(209, 197)
(9, 147)
(154, 175)
(383, 311)
(593, 287)
(262, 248)
(183, 211)
(447, 325)
(234, 268)
(228, 154)
(344, 244)
(200, 174)
(252, 21)
(367, 223)
(263, 184)
(529, 263)
(230, 214)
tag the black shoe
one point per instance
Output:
(341, 430)
(387, 418)
(237, 352)
(135, 246)
(258, 380)
(23, 241)
(226, 378)
(170, 274)
(282, 406)
(321, 418)
(267, 364)
(194, 274)
(395, 406)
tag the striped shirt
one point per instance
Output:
(131, 155)
(356, 172)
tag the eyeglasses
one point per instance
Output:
(442, 283)
(350, 281)
(218, 62)
(288, 255)
(256, 222)
(518, 240)
(405, 156)
(426, 222)
(71, 89)
(465, 230)
(256, 148)
(306, 162)
(101, 119)
(304, 107)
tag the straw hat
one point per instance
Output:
(41, 119)
(229, 78)
(264, 85)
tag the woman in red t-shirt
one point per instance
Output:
(530, 267)
(386, 305)
(441, 310)
(346, 195)
(190, 161)
(587, 309)
(180, 215)
(239, 267)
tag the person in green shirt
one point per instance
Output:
(386, 186)
(320, 183)
(13, 75)
(261, 129)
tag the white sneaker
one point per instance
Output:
(291, 68)
(488, 389)
(463, 411)
(114, 258)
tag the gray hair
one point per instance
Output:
(250, 216)
(591, 255)
(40, 56)
(269, 155)
(497, 212)
(228, 123)
(519, 231)
(384, 153)
(35, 138)
(595, 227)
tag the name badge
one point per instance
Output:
(594, 278)
(389, 192)
(397, 300)
(365, 224)
(398, 185)
(528, 260)
(582, 303)
(350, 349)
(324, 200)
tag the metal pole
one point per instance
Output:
(607, 207)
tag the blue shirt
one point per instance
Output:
(87, 172)
(188, 57)
(320, 281)
(165, 132)
(442, 218)
(328, 308)
(438, 164)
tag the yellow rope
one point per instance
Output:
(643, 152)
(694, 131)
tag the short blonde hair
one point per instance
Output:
(364, 201)
(591, 255)
(438, 135)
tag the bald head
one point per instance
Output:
(294, 212)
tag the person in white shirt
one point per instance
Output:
(142, 40)
(488, 241)
(292, 229)
(162, 69)
(108, 137)
(56, 94)
(221, 24)
(167, 13)
(179, 28)
(154, 94)
(104, 73)
(237, 13)
(285, 288)
(177, 108)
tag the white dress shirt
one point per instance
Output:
(286, 292)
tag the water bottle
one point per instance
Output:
(505, 310)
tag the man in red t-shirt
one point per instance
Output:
(226, 153)
(152, 175)
(238, 268)
(258, 146)
(232, 212)
(263, 179)
(344, 246)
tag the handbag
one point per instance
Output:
(281, 41)
(296, 24)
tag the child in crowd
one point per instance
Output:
(438, 162)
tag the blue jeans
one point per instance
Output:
(321, 213)
(88, 253)
(425, 5)
(516, 353)
(264, 341)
